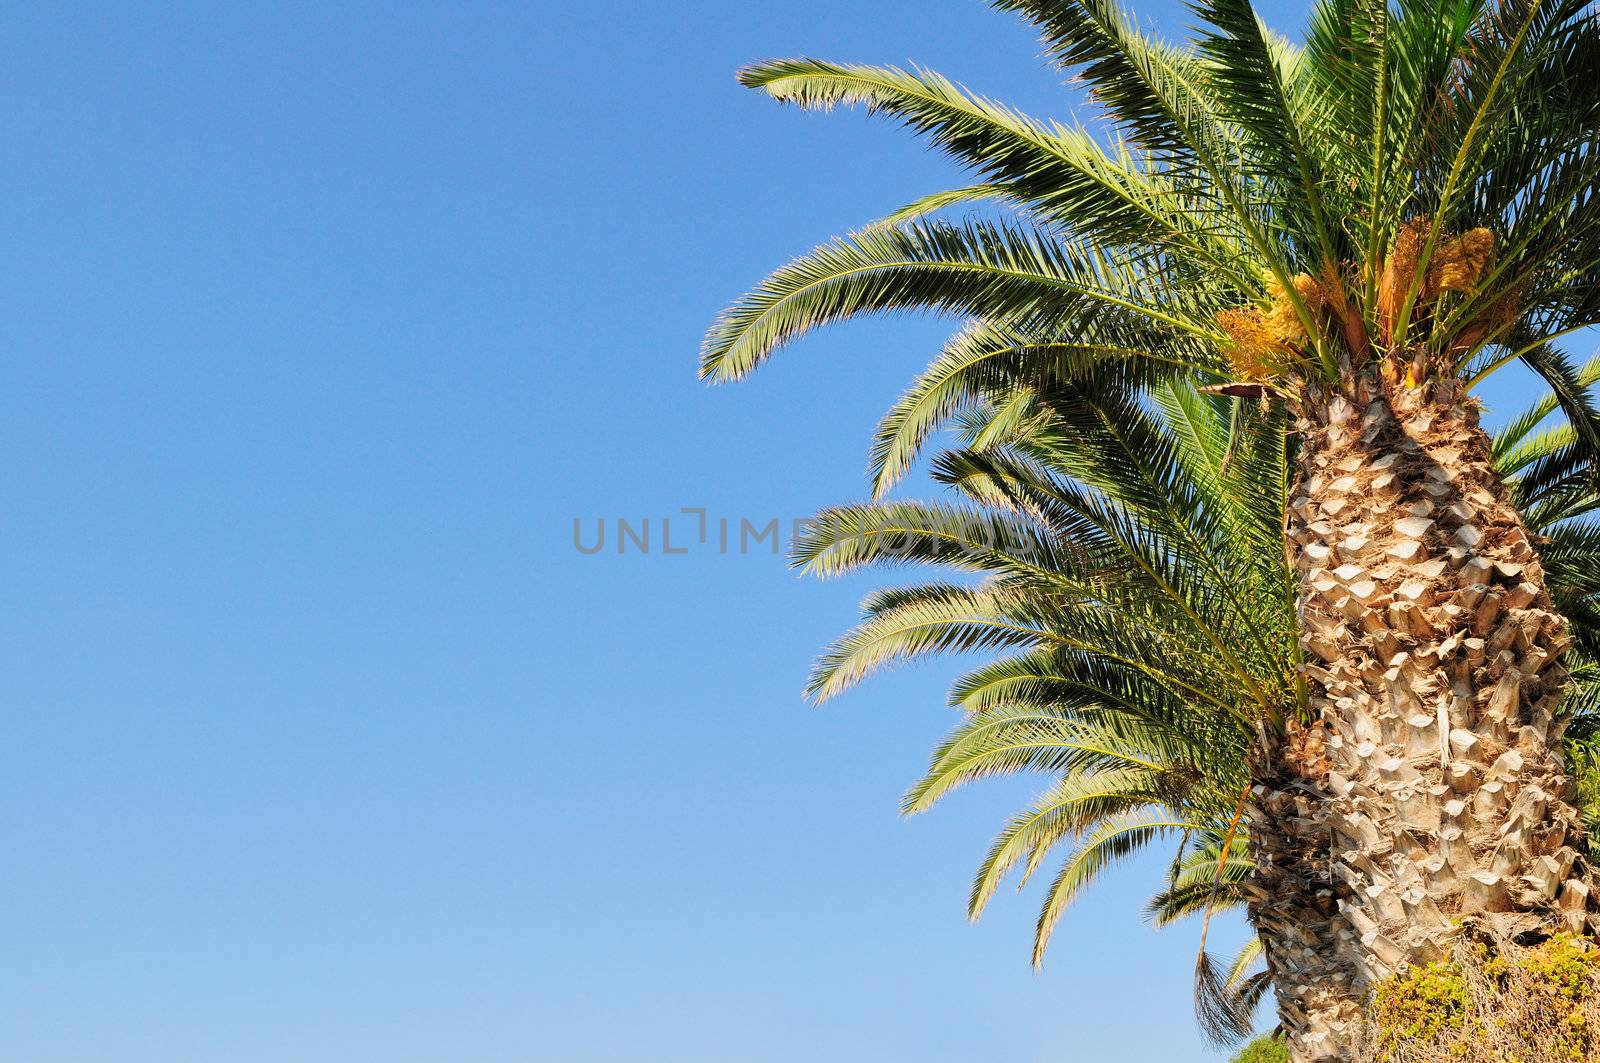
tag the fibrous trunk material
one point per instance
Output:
(1293, 898)
(1427, 797)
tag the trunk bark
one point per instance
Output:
(1293, 898)
(1430, 785)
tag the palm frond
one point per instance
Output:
(978, 268)
(1114, 839)
(934, 202)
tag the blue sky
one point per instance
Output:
(323, 743)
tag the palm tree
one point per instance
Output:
(1121, 608)
(1359, 232)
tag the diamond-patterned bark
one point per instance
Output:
(1429, 794)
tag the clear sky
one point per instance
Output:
(322, 742)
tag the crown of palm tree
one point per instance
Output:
(1416, 183)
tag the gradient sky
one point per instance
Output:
(323, 743)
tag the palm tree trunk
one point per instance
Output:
(1293, 899)
(1433, 670)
